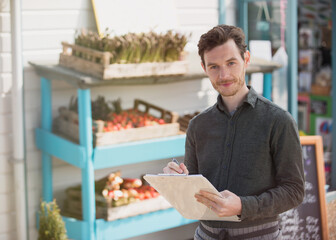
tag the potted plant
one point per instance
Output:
(51, 225)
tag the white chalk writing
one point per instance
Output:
(300, 223)
(312, 226)
(310, 198)
(308, 186)
(290, 224)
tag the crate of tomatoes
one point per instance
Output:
(116, 198)
(111, 124)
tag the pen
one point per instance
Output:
(175, 161)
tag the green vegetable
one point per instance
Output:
(134, 47)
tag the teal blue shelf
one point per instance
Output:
(139, 151)
(112, 155)
(128, 227)
(50, 143)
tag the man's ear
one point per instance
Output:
(247, 57)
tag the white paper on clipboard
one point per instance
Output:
(180, 190)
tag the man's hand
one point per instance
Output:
(229, 204)
(174, 168)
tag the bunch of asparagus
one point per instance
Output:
(135, 47)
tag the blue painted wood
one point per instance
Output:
(140, 151)
(139, 225)
(243, 18)
(221, 12)
(128, 227)
(46, 123)
(267, 86)
(333, 62)
(292, 49)
(51, 144)
(85, 139)
(74, 228)
(46, 101)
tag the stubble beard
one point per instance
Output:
(238, 84)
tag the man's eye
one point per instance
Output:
(213, 67)
(231, 63)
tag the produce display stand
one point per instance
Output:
(89, 159)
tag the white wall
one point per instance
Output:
(45, 24)
(7, 214)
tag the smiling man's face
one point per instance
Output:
(226, 68)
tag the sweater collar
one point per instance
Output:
(251, 99)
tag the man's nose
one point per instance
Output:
(223, 72)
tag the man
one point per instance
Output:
(245, 145)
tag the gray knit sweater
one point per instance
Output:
(255, 153)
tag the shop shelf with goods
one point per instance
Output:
(314, 68)
(89, 159)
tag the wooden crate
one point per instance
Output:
(320, 90)
(184, 121)
(97, 64)
(66, 124)
(73, 206)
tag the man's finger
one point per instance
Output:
(208, 203)
(169, 170)
(204, 200)
(184, 168)
(175, 167)
(212, 196)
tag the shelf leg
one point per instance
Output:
(292, 50)
(333, 94)
(46, 123)
(85, 139)
(267, 86)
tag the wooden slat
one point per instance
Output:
(67, 125)
(97, 64)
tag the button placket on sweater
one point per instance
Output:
(231, 128)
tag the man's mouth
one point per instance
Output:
(226, 84)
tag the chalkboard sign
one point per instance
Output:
(309, 219)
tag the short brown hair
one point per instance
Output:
(220, 35)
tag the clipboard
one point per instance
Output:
(179, 190)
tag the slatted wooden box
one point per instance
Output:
(184, 120)
(73, 206)
(66, 124)
(97, 64)
(320, 90)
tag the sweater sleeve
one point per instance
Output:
(190, 159)
(287, 159)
